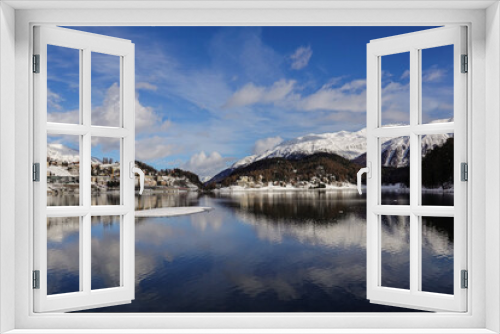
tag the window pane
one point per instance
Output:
(395, 243)
(437, 169)
(106, 99)
(105, 252)
(437, 84)
(395, 167)
(395, 89)
(63, 85)
(63, 170)
(437, 254)
(63, 255)
(105, 171)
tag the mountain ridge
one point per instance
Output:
(349, 145)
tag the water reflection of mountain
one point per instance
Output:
(333, 219)
(253, 252)
(63, 253)
(320, 206)
(163, 200)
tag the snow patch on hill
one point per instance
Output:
(350, 145)
(344, 143)
(62, 153)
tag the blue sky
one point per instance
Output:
(208, 96)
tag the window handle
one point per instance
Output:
(368, 172)
(134, 170)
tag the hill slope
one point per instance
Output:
(295, 169)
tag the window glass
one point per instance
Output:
(437, 84)
(106, 93)
(437, 254)
(105, 171)
(63, 255)
(105, 252)
(395, 170)
(395, 89)
(63, 85)
(395, 248)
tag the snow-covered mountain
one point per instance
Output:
(396, 152)
(344, 143)
(62, 153)
(350, 145)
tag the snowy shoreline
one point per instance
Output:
(345, 187)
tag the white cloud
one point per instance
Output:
(70, 117)
(301, 57)
(265, 144)
(53, 100)
(108, 114)
(433, 74)
(206, 165)
(251, 94)
(55, 112)
(406, 74)
(354, 85)
(395, 103)
(332, 82)
(146, 86)
(350, 97)
(147, 120)
(106, 144)
(153, 148)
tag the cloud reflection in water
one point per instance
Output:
(263, 253)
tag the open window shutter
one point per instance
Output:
(416, 297)
(85, 295)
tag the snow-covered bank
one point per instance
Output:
(399, 187)
(344, 187)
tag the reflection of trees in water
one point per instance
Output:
(63, 200)
(146, 201)
(109, 198)
(437, 254)
(300, 243)
(317, 206)
(395, 244)
(442, 226)
(163, 200)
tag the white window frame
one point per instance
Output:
(85, 44)
(483, 122)
(414, 44)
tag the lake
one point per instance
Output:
(255, 252)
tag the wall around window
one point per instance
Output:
(481, 107)
(7, 166)
(492, 152)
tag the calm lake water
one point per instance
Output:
(255, 252)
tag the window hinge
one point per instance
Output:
(36, 172)
(464, 168)
(36, 279)
(465, 64)
(36, 63)
(465, 279)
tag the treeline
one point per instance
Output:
(437, 166)
(299, 168)
(176, 172)
(437, 169)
